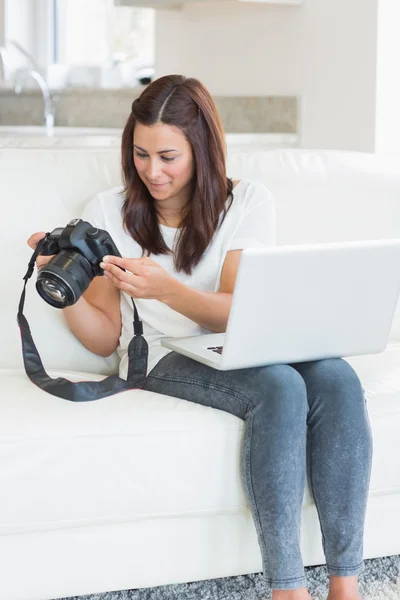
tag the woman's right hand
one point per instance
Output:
(32, 242)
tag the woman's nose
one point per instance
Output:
(154, 169)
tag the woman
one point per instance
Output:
(182, 225)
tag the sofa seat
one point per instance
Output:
(107, 460)
(92, 452)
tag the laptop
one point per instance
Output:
(304, 302)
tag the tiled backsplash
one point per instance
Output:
(110, 108)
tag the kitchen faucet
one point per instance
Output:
(20, 78)
(34, 64)
(5, 67)
(5, 58)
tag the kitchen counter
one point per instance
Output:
(80, 137)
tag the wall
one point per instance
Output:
(2, 22)
(170, 45)
(323, 51)
(29, 23)
(19, 14)
(388, 80)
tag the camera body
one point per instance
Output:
(79, 249)
(80, 236)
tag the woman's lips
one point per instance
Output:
(157, 185)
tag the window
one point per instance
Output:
(79, 32)
(95, 32)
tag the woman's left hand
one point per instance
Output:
(143, 278)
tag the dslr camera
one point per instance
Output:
(79, 249)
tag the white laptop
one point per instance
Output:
(305, 302)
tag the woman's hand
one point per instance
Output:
(143, 278)
(32, 242)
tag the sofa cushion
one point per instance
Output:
(138, 455)
(42, 190)
(131, 456)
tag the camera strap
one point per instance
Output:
(81, 391)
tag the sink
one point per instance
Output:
(22, 130)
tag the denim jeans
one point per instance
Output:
(303, 418)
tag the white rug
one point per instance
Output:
(379, 581)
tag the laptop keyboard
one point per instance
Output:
(217, 349)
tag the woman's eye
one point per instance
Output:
(166, 158)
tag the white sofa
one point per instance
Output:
(141, 490)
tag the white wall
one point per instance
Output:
(323, 51)
(169, 43)
(388, 79)
(29, 22)
(2, 22)
(19, 15)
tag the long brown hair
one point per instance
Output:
(184, 103)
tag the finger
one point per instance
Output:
(124, 286)
(35, 238)
(115, 271)
(116, 260)
(126, 263)
(43, 260)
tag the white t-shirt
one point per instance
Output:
(249, 223)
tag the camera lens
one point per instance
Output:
(64, 279)
(55, 293)
(53, 289)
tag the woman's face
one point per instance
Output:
(164, 161)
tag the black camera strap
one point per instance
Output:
(81, 391)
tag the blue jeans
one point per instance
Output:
(308, 417)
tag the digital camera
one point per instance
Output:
(79, 249)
